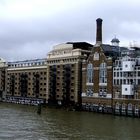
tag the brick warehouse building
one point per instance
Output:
(64, 68)
(25, 81)
(76, 73)
(97, 73)
(2, 77)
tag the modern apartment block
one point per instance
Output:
(126, 82)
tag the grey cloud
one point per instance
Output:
(33, 37)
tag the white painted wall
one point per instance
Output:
(127, 89)
(128, 65)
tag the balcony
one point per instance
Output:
(128, 66)
(128, 89)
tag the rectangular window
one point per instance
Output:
(124, 81)
(121, 82)
(117, 81)
(114, 82)
(116, 62)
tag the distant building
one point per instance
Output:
(126, 82)
(3, 67)
(101, 77)
(26, 81)
(115, 42)
(97, 75)
(64, 68)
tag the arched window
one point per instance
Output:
(90, 73)
(130, 106)
(117, 105)
(103, 73)
(123, 106)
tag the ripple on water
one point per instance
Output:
(18, 122)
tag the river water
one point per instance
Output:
(21, 122)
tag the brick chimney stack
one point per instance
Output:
(99, 31)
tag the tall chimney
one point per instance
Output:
(99, 31)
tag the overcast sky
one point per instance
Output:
(30, 28)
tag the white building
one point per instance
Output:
(126, 76)
(126, 83)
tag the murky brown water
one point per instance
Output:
(21, 122)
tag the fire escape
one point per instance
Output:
(66, 84)
(23, 85)
(12, 85)
(52, 85)
(36, 85)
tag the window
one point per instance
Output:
(72, 71)
(72, 78)
(72, 90)
(125, 89)
(72, 65)
(89, 92)
(124, 81)
(116, 62)
(117, 81)
(72, 84)
(72, 97)
(103, 73)
(138, 73)
(114, 82)
(130, 107)
(96, 56)
(90, 73)
(102, 92)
